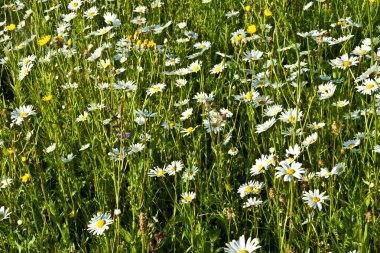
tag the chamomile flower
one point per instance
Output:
(310, 140)
(260, 166)
(339, 169)
(4, 213)
(252, 187)
(233, 151)
(172, 61)
(91, 13)
(218, 68)
(67, 159)
(22, 113)
(82, 117)
(273, 110)
(350, 144)
(140, 9)
(242, 246)
(289, 170)
(315, 199)
(293, 152)
(84, 147)
(344, 62)
(265, 126)
(187, 197)
(156, 88)
(157, 172)
(316, 125)
(252, 55)
(341, 103)
(247, 96)
(188, 131)
(135, 148)
(74, 5)
(326, 90)
(190, 173)
(4, 182)
(117, 154)
(25, 70)
(252, 202)
(204, 45)
(51, 148)
(291, 115)
(195, 66)
(361, 50)
(174, 167)
(99, 223)
(369, 86)
(138, 20)
(186, 114)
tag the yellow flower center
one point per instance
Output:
(290, 118)
(242, 251)
(369, 86)
(352, 145)
(75, 5)
(248, 189)
(100, 223)
(257, 190)
(214, 124)
(290, 171)
(120, 155)
(202, 46)
(248, 96)
(262, 102)
(2, 216)
(195, 68)
(362, 51)
(84, 117)
(346, 63)
(160, 173)
(315, 199)
(156, 89)
(239, 37)
(218, 69)
(172, 124)
(91, 14)
(189, 130)
(23, 114)
(187, 198)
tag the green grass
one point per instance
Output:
(51, 202)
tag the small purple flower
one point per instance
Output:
(125, 136)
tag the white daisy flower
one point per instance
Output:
(99, 223)
(315, 199)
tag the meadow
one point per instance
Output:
(233, 126)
